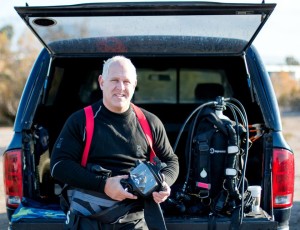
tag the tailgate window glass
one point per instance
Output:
(156, 86)
(194, 84)
(56, 81)
(180, 85)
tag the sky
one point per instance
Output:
(279, 38)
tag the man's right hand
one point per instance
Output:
(115, 190)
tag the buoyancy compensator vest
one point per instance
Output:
(216, 149)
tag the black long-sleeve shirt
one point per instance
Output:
(118, 142)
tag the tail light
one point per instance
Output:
(12, 166)
(283, 176)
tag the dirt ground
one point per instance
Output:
(291, 127)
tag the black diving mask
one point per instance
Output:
(145, 178)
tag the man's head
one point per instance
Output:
(118, 82)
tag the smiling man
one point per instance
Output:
(118, 83)
(118, 143)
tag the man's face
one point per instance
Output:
(118, 87)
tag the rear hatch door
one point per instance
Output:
(166, 25)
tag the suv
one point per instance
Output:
(177, 47)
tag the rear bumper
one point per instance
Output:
(37, 226)
(222, 223)
(261, 221)
(172, 225)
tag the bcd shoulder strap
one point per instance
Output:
(146, 128)
(89, 117)
(89, 123)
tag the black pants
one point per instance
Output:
(133, 221)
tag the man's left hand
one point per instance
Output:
(162, 195)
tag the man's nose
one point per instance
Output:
(120, 85)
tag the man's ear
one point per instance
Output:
(100, 80)
(135, 84)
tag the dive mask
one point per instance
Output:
(145, 178)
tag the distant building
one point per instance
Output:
(292, 70)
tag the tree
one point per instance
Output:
(287, 90)
(6, 34)
(290, 60)
(14, 68)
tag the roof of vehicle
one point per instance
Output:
(150, 20)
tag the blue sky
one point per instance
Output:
(279, 38)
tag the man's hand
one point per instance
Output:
(161, 196)
(114, 189)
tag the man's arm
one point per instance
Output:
(67, 153)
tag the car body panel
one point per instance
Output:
(266, 95)
(32, 91)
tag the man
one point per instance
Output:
(118, 142)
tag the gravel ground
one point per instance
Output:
(291, 127)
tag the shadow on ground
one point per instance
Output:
(295, 217)
(3, 221)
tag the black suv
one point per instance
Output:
(177, 48)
